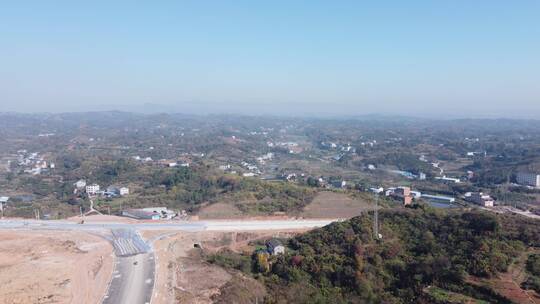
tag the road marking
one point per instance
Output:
(148, 281)
(123, 232)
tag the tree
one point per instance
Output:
(261, 262)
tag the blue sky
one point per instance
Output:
(458, 58)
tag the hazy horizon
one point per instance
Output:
(456, 59)
(153, 109)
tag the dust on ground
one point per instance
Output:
(335, 205)
(183, 275)
(53, 267)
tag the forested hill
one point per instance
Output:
(420, 250)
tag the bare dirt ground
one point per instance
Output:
(220, 210)
(102, 218)
(183, 276)
(335, 205)
(326, 204)
(53, 267)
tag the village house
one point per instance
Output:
(404, 193)
(275, 247)
(80, 184)
(124, 191)
(92, 189)
(3, 201)
(481, 199)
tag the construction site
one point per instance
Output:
(108, 259)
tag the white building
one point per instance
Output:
(416, 194)
(224, 167)
(389, 191)
(528, 179)
(275, 247)
(124, 191)
(80, 184)
(92, 189)
(376, 190)
(3, 200)
(449, 179)
(290, 176)
(264, 158)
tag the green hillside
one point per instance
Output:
(420, 249)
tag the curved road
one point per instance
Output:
(134, 269)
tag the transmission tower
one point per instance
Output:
(376, 218)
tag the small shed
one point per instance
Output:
(275, 247)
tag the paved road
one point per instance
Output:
(128, 242)
(133, 280)
(132, 283)
(134, 269)
(180, 226)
